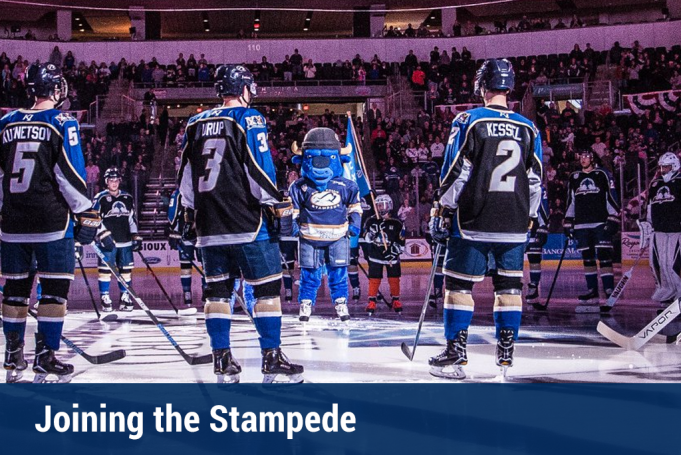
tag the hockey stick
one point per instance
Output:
(405, 348)
(182, 312)
(89, 289)
(619, 289)
(642, 337)
(539, 306)
(200, 360)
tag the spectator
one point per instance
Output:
(418, 78)
(310, 70)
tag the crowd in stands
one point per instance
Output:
(639, 70)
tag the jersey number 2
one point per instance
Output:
(500, 180)
(216, 149)
(22, 168)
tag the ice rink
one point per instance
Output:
(554, 346)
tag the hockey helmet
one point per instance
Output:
(384, 204)
(494, 74)
(321, 157)
(47, 81)
(670, 160)
(231, 80)
(112, 173)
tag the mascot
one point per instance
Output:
(326, 211)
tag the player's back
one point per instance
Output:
(227, 163)
(494, 169)
(43, 174)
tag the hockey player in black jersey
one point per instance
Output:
(231, 204)
(539, 234)
(490, 191)
(662, 229)
(385, 237)
(116, 207)
(43, 185)
(592, 217)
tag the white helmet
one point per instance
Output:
(384, 204)
(669, 159)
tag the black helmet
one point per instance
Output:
(47, 81)
(321, 139)
(112, 173)
(494, 74)
(231, 80)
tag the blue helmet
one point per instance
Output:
(47, 81)
(231, 80)
(494, 74)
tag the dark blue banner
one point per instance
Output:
(546, 419)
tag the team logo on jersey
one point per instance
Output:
(117, 209)
(463, 117)
(326, 200)
(663, 195)
(255, 121)
(587, 186)
(63, 117)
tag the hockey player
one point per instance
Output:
(592, 217)
(116, 207)
(326, 211)
(539, 234)
(662, 229)
(288, 246)
(227, 184)
(185, 248)
(490, 189)
(385, 236)
(43, 186)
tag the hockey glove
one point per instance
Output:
(105, 241)
(534, 225)
(87, 225)
(569, 227)
(189, 230)
(283, 218)
(542, 236)
(78, 251)
(611, 227)
(646, 234)
(136, 243)
(174, 240)
(396, 250)
(439, 224)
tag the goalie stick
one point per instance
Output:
(200, 360)
(183, 311)
(405, 348)
(619, 289)
(644, 335)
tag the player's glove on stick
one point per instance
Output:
(283, 218)
(136, 243)
(174, 240)
(87, 225)
(611, 226)
(569, 227)
(78, 251)
(439, 224)
(189, 231)
(105, 241)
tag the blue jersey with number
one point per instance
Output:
(227, 176)
(42, 171)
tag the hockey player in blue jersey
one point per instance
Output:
(326, 211)
(43, 186)
(490, 191)
(232, 208)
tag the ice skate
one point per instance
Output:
(125, 303)
(532, 295)
(371, 306)
(342, 309)
(305, 310)
(356, 294)
(288, 295)
(588, 303)
(453, 358)
(187, 296)
(46, 363)
(225, 367)
(275, 363)
(15, 363)
(396, 305)
(107, 306)
(505, 347)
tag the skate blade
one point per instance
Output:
(587, 309)
(41, 378)
(13, 376)
(228, 378)
(292, 378)
(187, 311)
(455, 373)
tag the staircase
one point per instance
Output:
(597, 93)
(115, 106)
(154, 211)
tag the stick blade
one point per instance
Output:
(539, 306)
(105, 358)
(614, 336)
(406, 351)
(201, 360)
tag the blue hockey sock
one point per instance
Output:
(267, 318)
(51, 323)
(535, 276)
(14, 319)
(186, 283)
(507, 312)
(457, 313)
(218, 323)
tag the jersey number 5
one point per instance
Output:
(215, 148)
(22, 168)
(500, 180)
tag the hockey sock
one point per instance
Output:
(39, 290)
(338, 282)
(249, 297)
(288, 281)
(14, 314)
(605, 262)
(591, 273)
(186, 276)
(394, 283)
(232, 300)
(507, 312)
(104, 281)
(51, 320)
(353, 276)
(218, 322)
(457, 313)
(535, 269)
(310, 280)
(267, 318)
(438, 281)
(127, 277)
(374, 284)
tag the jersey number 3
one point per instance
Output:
(215, 148)
(23, 167)
(500, 180)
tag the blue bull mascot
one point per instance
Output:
(326, 211)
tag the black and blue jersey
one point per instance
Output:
(43, 175)
(118, 215)
(591, 199)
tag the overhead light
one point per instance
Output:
(432, 17)
(306, 29)
(82, 29)
(208, 30)
(308, 19)
(205, 20)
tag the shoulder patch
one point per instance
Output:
(63, 117)
(463, 117)
(255, 121)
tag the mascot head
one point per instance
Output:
(321, 157)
